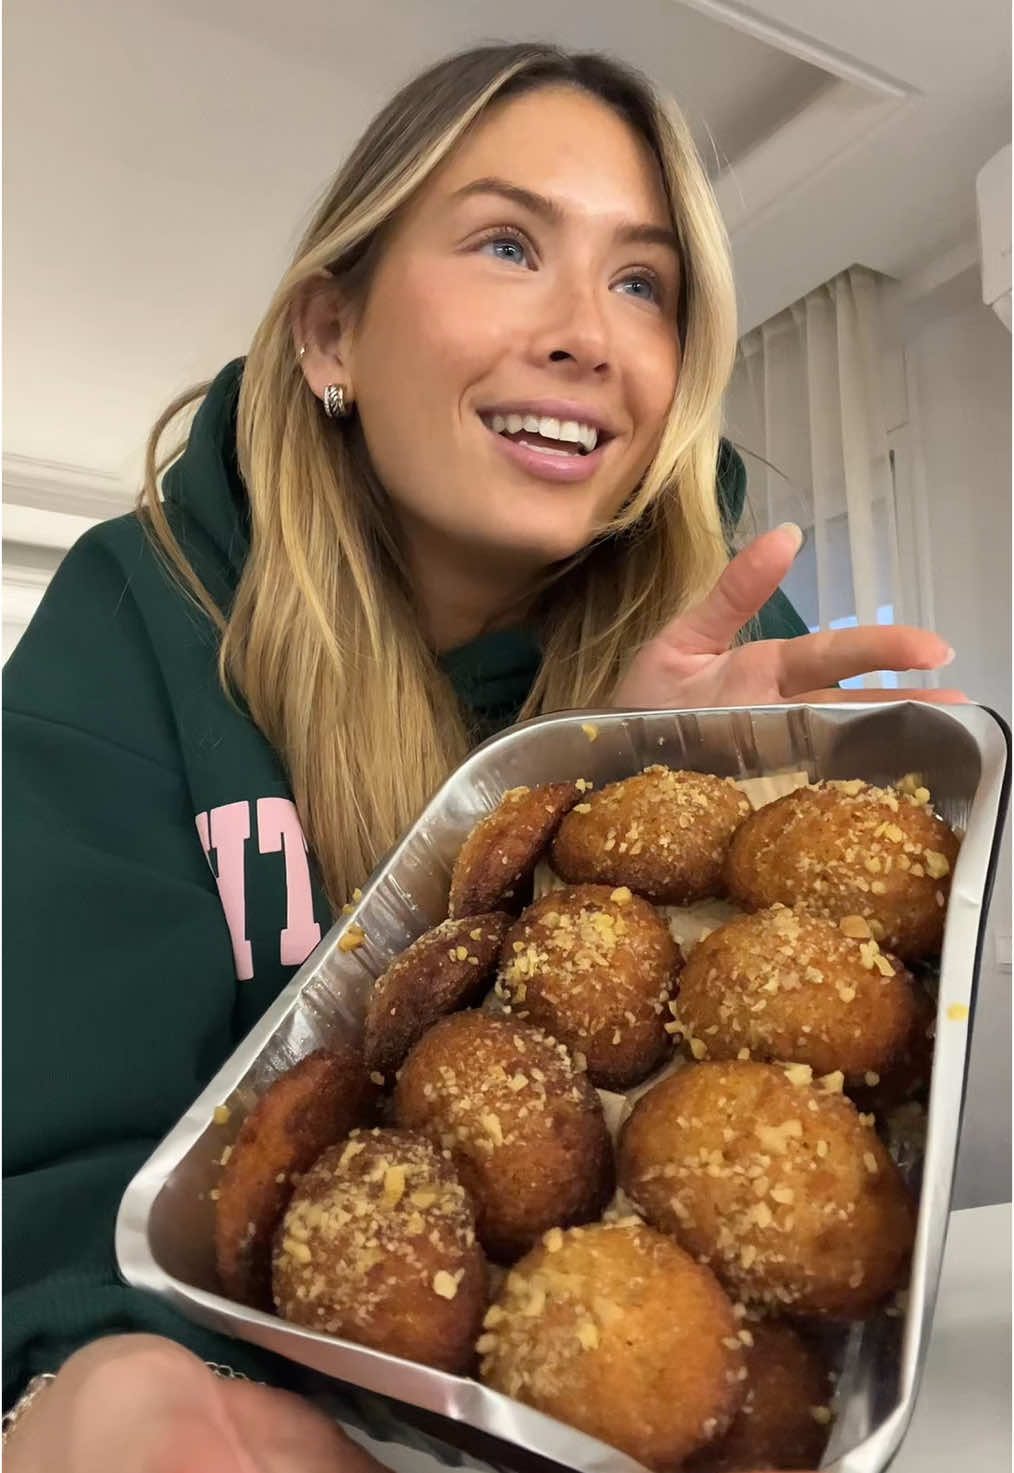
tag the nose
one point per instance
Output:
(573, 332)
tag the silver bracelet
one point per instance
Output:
(227, 1373)
(39, 1383)
(24, 1401)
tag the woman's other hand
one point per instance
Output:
(141, 1404)
(693, 662)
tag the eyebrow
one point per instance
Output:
(551, 211)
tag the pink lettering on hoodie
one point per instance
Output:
(226, 830)
(278, 827)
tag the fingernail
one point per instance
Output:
(948, 659)
(797, 532)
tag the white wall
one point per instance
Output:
(959, 374)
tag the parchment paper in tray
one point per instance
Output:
(164, 1239)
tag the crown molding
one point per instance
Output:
(838, 119)
(750, 22)
(66, 490)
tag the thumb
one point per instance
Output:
(744, 588)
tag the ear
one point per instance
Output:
(321, 323)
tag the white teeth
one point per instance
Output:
(570, 431)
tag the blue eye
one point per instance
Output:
(644, 288)
(506, 248)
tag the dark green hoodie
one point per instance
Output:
(157, 893)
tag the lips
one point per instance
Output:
(545, 458)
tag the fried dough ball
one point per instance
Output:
(777, 1183)
(523, 1124)
(617, 1331)
(663, 833)
(908, 1074)
(311, 1106)
(785, 984)
(378, 1246)
(783, 1422)
(442, 971)
(596, 969)
(877, 859)
(499, 855)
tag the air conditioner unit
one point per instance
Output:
(993, 188)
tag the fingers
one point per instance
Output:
(283, 1433)
(818, 660)
(744, 588)
(836, 697)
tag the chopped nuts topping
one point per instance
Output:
(394, 1186)
(352, 939)
(855, 926)
(775, 1138)
(493, 1127)
(445, 1284)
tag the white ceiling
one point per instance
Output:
(162, 155)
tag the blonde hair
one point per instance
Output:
(322, 641)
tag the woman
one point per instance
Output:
(466, 472)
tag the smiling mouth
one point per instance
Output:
(568, 437)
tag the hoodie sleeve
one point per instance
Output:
(119, 984)
(778, 619)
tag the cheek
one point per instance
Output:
(653, 386)
(425, 343)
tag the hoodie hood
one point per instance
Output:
(204, 486)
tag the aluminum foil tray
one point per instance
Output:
(164, 1231)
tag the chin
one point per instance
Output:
(542, 540)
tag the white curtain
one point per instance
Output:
(806, 410)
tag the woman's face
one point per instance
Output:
(517, 353)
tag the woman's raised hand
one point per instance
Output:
(141, 1404)
(693, 662)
